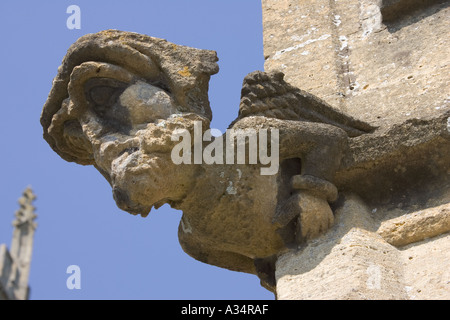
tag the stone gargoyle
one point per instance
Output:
(119, 97)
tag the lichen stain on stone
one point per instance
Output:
(107, 32)
(185, 72)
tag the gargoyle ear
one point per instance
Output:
(92, 84)
(103, 92)
(70, 141)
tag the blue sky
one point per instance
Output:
(120, 256)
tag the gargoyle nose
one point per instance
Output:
(121, 197)
(123, 202)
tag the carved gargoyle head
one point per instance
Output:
(118, 99)
(114, 104)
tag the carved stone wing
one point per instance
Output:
(267, 94)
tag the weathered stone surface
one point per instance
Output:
(356, 261)
(405, 163)
(122, 102)
(426, 266)
(298, 41)
(416, 226)
(386, 63)
(383, 71)
(120, 97)
(347, 263)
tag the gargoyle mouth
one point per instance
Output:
(128, 150)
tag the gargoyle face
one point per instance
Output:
(116, 107)
(129, 127)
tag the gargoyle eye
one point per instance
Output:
(103, 95)
(104, 92)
